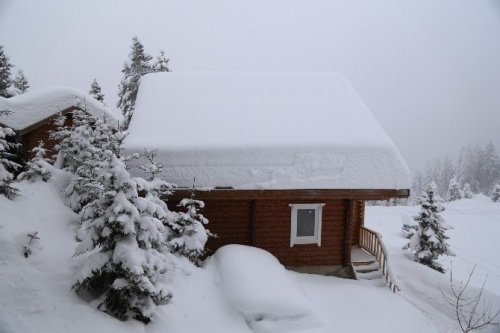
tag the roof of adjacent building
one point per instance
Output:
(37, 105)
(264, 131)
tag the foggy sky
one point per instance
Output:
(429, 70)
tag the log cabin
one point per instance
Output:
(283, 161)
(31, 115)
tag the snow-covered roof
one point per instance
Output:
(30, 108)
(264, 131)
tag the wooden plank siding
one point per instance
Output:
(267, 223)
(272, 233)
(31, 136)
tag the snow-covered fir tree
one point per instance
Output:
(455, 191)
(189, 236)
(130, 262)
(20, 83)
(153, 168)
(8, 165)
(495, 195)
(467, 191)
(161, 63)
(138, 65)
(95, 91)
(5, 80)
(39, 167)
(81, 151)
(430, 241)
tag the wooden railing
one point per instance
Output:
(371, 241)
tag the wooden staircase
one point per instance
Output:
(370, 260)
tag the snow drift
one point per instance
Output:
(260, 288)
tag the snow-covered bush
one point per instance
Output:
(39, 167)
(7, 162)
(129, 236)
(468, 191)
(495, 195)
(429, 240)
(454, 190)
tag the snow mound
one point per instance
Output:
(264, 131)
(29, 108)
(259, 287)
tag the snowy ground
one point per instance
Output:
(36, 296)
(474, 239)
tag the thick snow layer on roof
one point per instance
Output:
(29, 108)
(264, 130)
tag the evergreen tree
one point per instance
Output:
(454, 190)
(490, 168)
(495, 195)
(38, 167)
(153, 168)
(161, 63)
(129, 236)
(5, 81)
(95, 91)
(82, 151)
(20, 83)
(138, 66)
(467, 191)
(7, 160)
(189, 235)
(429, 241)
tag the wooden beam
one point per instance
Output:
(349, 221)
(299, 194)
(251, 222)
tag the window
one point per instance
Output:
(306, 224)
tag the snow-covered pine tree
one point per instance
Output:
(7, 160)
(95, 91)
(467, 191)
(20, 83)
(429, 241)
(188, 234)
(5, 81)
(152, 168)
(454, 190)
(490, 168)
(161, 63)
(138, 66)
(495, 195)
(81, 151)
(39, 167)
(129, 234)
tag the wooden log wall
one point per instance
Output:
(266, 224)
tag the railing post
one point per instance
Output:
(371, 242)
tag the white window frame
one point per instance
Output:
(316, 239)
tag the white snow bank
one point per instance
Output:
(264, 130)
(259, 287)
(29, 108)
(36, 295)
(474, 239)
